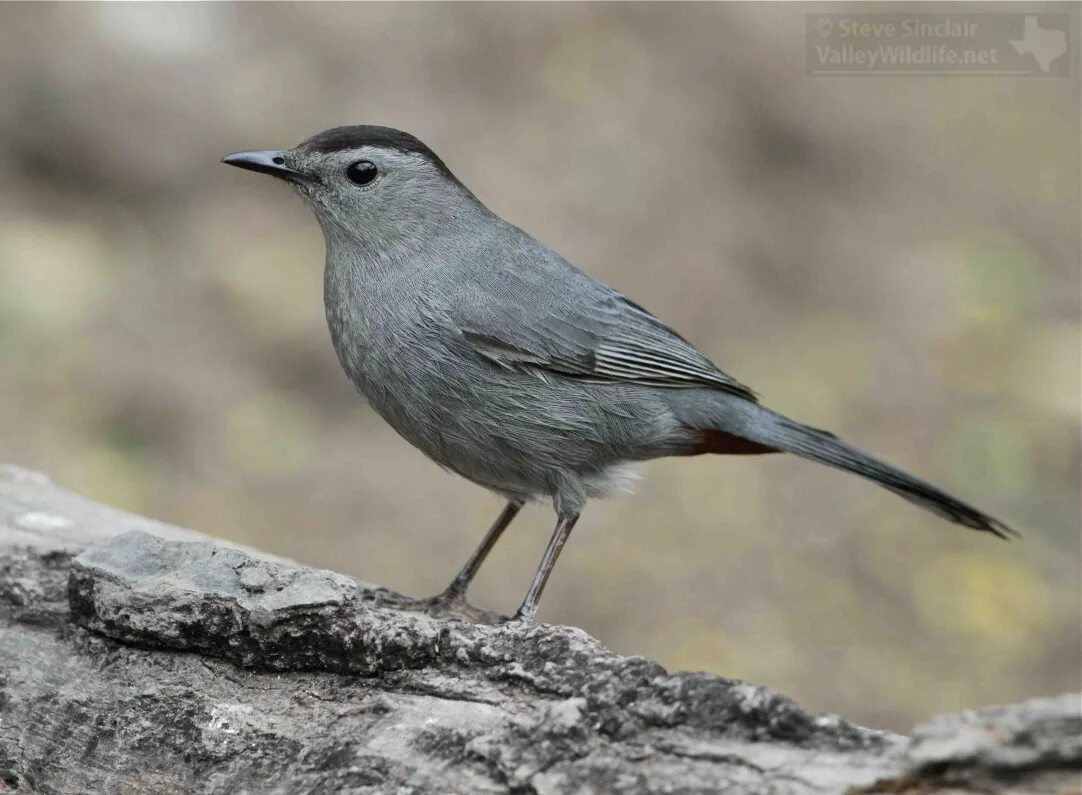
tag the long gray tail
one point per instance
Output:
(774, 430)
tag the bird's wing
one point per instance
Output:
(603, 338)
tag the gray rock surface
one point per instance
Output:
(137, 657)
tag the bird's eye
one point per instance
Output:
(362, 172)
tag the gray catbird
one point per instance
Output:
(508, 365)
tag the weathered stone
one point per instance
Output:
(138, 657)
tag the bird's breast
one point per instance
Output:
(389, 340)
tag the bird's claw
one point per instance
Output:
(453, 604)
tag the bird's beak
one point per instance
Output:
(270, 162)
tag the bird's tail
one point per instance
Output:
(768, 428)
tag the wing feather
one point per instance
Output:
(620, 342)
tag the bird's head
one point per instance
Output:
(370, 184)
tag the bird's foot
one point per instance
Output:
(452, 604)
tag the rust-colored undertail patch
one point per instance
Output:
(722, 443)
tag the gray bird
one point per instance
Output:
(503, 362)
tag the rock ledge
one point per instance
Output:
(139, 657)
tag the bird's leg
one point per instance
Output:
(548, 561)
(457, 589)
(453, 598)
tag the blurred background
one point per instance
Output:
(895, 259)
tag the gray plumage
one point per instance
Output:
(506, 364)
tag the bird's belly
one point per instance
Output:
(508, 431)
(512, 433)
(479, 440)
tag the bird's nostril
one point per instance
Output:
(278, 161)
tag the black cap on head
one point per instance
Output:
(339, 138)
